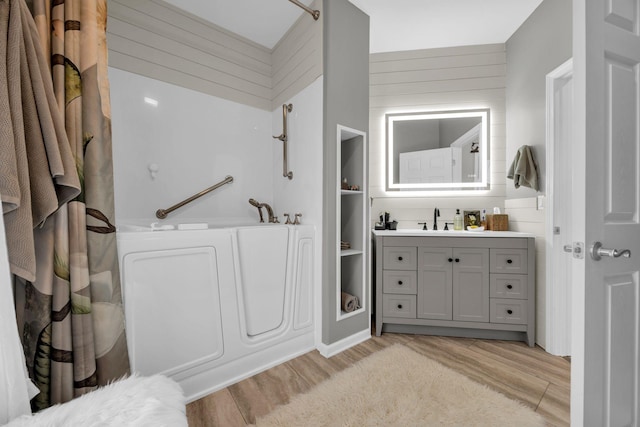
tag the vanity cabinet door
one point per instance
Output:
(435, 283)
(471, 284)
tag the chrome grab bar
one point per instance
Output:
(314, 13)
(283, 137)
(162, 213)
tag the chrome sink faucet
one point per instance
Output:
(271, 219)
(436, 214)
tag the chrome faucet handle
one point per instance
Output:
(296, 221)
(288, 221)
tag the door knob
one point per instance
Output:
(597, 252)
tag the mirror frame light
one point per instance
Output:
(482, 184)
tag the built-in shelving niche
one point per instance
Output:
(352, 218)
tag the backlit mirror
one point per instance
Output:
(438, 150)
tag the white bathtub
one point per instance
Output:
(212, 305)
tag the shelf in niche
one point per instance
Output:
(352, 219)
(350, 252)
(345, 314)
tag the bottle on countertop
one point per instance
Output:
(457, 221)
(483, 219)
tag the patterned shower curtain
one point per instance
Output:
(71, 317)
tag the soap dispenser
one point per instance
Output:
(457, 221)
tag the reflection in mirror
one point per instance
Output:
(438, 150)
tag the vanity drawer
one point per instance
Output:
(508, 286)
(508, 311)
(399, 258)
(399, 282)
(508, 261)
(399, 306)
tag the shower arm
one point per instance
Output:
(314, 13)
(162, 213)
(283, 137)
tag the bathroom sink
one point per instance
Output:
(420, 231)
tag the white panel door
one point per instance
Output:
(560, 214)
(606, 60)
(426, 166)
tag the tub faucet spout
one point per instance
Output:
(271, 217)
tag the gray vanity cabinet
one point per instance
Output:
(456, 283)
(453, 284)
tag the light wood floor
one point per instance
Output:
(530, 375)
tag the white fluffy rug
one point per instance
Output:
(399, 387)
(154, 401)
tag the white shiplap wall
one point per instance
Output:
(437, 79)
(525, 217)
(157, 40)
(297, 57)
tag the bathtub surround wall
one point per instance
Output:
(247, 82)
(194, 140)
(304, 122)
(539, 46)
(437, 79)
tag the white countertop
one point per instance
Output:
(416, 232)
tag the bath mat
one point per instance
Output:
(399, 387)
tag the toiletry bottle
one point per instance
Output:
(483, 219)
(457, 220)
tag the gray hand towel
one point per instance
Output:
(524, 169)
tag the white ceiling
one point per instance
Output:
(395, 24)
(262, 21)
